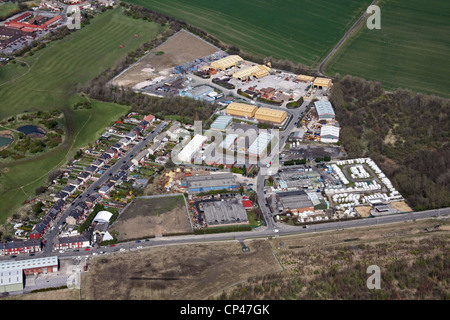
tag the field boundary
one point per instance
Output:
(343, 39)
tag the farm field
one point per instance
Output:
(300, 31)
(52, 76)
(149, 217)
(411, 50)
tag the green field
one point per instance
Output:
(54, 73)
(411, 50)
(6, 8)
(49, 80)
(300, 31)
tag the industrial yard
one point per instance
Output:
(157, 65)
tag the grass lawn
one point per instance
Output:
(411, 50)
(6, 8)
(50, 81)
(300, 31)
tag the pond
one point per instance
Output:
(31, 130)
(4, 141)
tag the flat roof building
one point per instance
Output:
(295, 202)
(30, 266)
(205, 183)
(224, 213)
(270, 115)
(324, 110)
(241, 110)
(227, 62)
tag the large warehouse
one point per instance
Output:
(241, 110)
(204, 183)
(188, 152)
(270, 115)
(257, 71)
(324, 110)
(227, 62)
(11, 272)
(224, 213)
(294, 202)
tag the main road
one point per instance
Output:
(265, 171)
(48, 247)
(261, 232)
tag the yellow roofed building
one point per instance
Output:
(241, 110)
(322, 83)
(270, 115)
(227, 62)
(305, 78)
(257, 71)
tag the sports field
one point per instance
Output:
(49, 79)
(300, 31)
(411, 50)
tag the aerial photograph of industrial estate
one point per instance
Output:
(224, 155)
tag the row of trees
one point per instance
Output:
(406, 133)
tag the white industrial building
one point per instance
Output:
(195, 145)
(329, 134)
(259, 146)
(229, 141)
(324, 110)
